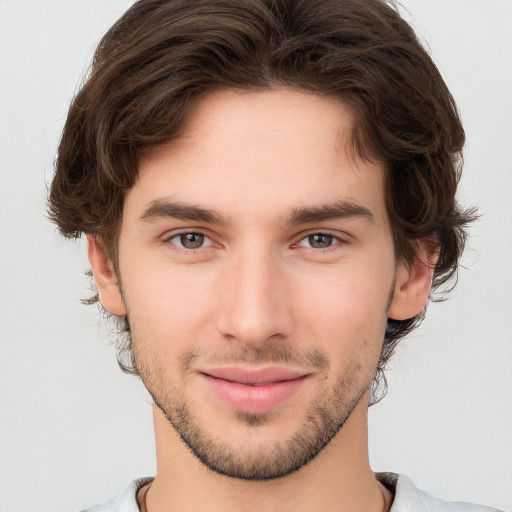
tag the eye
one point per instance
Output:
(319, 241)
(190, 240)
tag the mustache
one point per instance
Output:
(271, 353)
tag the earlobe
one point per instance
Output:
(413, 284)
(105, 278)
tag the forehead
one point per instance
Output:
(277, 149)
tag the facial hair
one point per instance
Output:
(323, 419)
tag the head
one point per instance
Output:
(166, 71)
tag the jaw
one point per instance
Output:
(341, 472)
(271, 444)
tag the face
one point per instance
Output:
(257, 270)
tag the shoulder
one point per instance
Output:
(409, 498)
(125, 501)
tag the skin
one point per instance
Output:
(259, 290)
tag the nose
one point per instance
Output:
(253, 306)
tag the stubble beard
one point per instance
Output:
(323, 419)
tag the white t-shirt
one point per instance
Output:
(408, 498)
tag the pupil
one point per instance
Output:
(320, 241)
(192, 240)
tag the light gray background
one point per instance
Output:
(74, 429)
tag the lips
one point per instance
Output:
(253, 390)
(254, 377)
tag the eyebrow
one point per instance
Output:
(336, 210)
(162, 208)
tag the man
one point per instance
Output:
(267, 190)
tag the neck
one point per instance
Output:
(339, 478)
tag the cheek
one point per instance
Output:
(166, 304)
(346, 308)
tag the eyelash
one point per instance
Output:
(336, 241)
(178, 236)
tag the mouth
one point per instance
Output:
(253, 390)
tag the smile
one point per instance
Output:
(253, 391)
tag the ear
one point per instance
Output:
(105, 278)
(413, 283)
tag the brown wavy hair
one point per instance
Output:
(162, 55)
